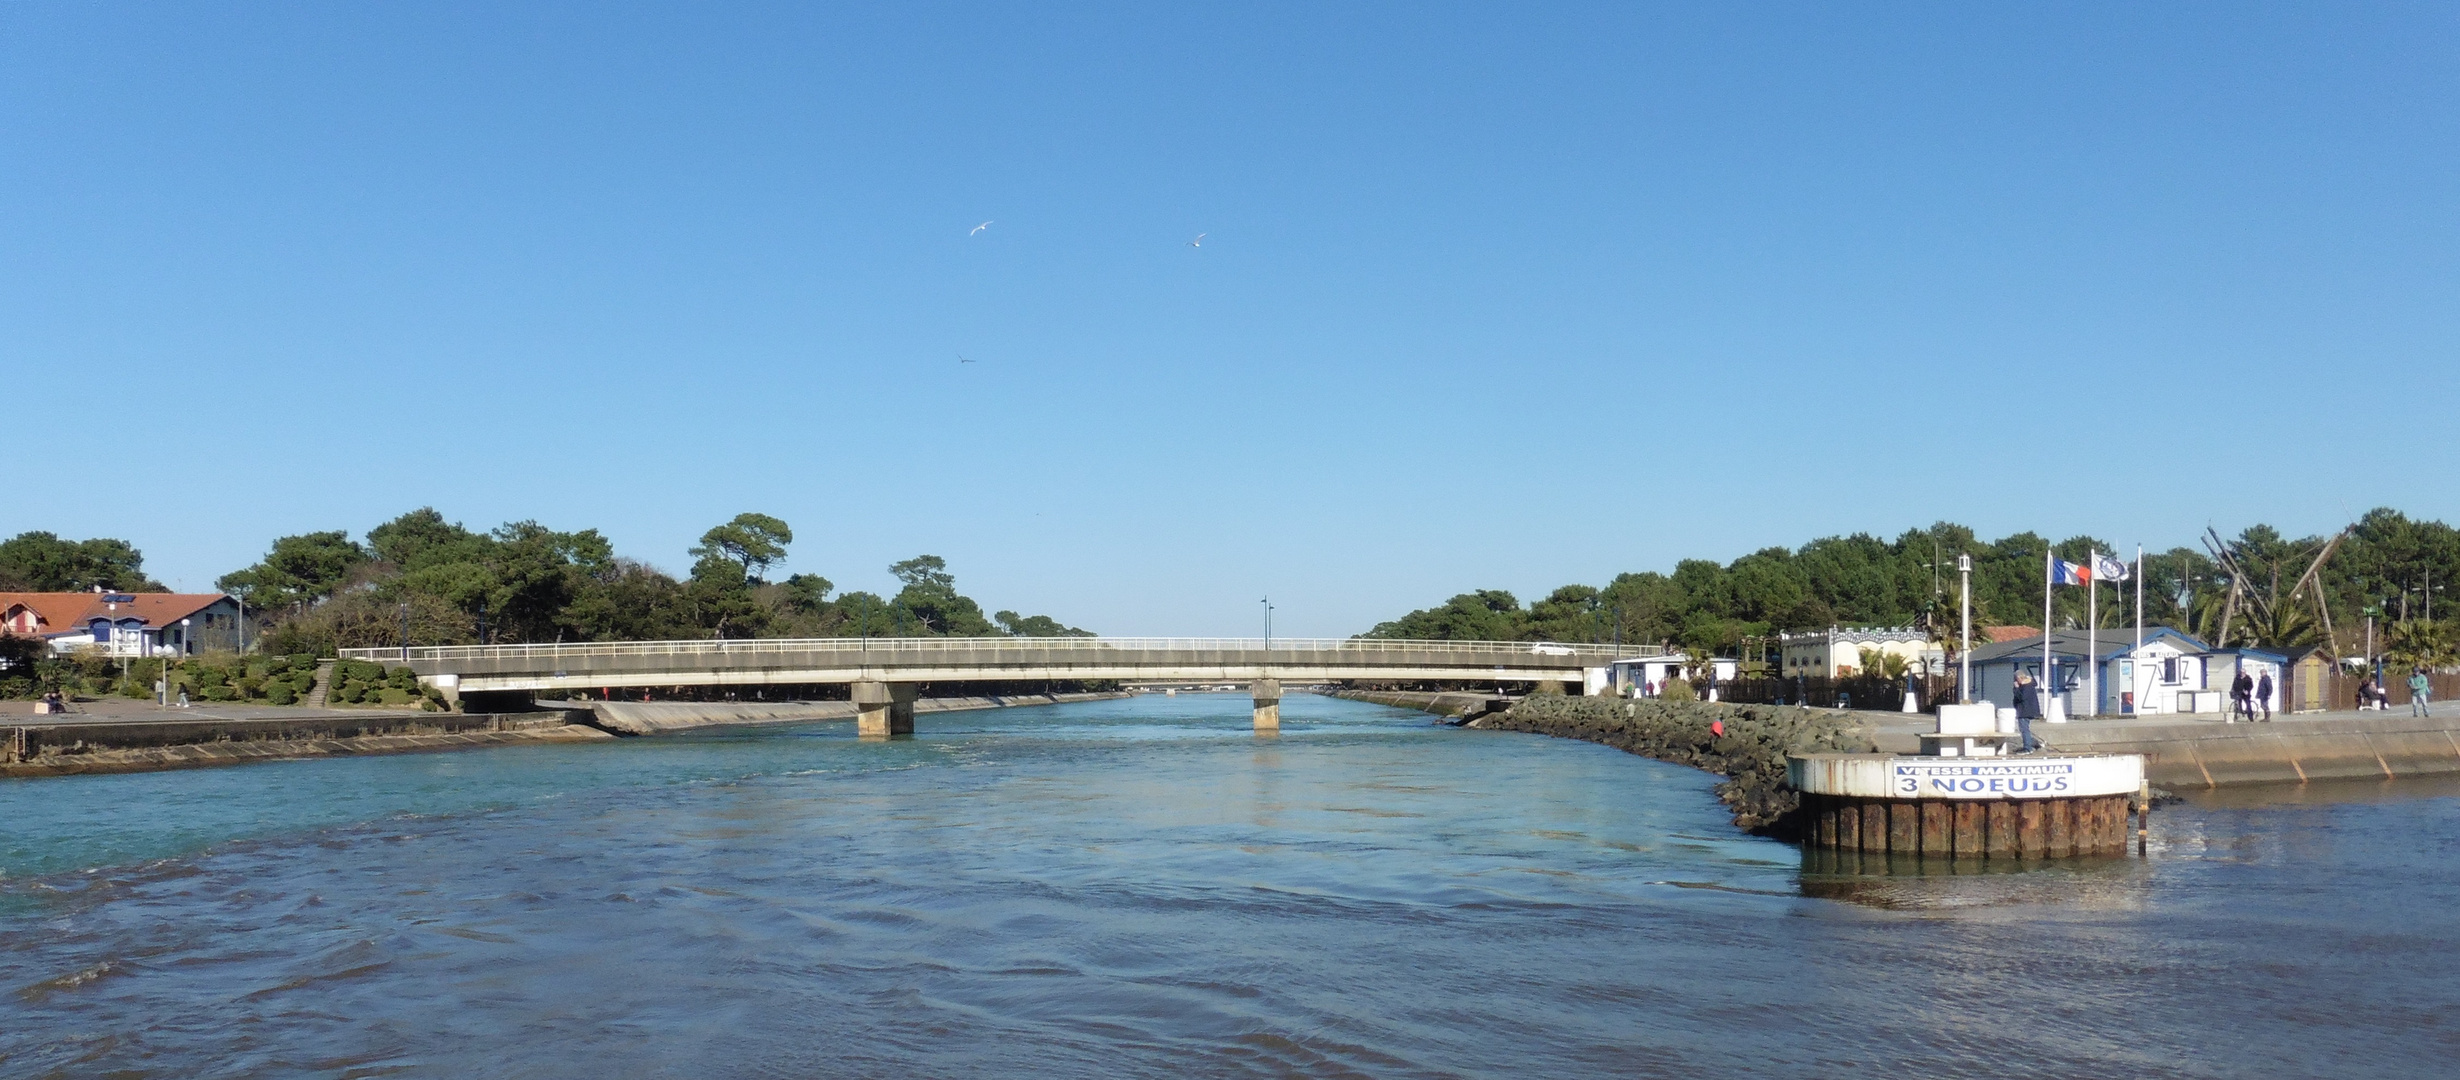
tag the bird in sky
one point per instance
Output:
(962, 360)
(979, 228)
(1198, 241)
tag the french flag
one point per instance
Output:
(2063, 572)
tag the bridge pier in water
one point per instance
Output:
(1267, 693)
(883, 709)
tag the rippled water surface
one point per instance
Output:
(1144, 888)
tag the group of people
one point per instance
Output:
(2250, 697)
(2372, 694)
(2249, 694)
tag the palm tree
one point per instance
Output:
(1888, 665)
(2418, 643)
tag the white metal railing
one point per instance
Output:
(921, 648)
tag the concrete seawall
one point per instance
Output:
(169, 740)
(1454, 703)
(2182, 753)
(71, 749)
(2382, 746)
(674, 717)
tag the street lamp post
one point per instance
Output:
(1964, 634)
(1268, 623)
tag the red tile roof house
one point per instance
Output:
(124, 624)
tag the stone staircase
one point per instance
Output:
(324, 681)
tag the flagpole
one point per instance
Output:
(2137, 686)
(2049, 573)
(2092, 633)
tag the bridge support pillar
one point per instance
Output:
(1268, 704)
(883, 709)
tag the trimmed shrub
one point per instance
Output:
(280, 693)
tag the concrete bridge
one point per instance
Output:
(884, 674)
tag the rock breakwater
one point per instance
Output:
(1750, 752)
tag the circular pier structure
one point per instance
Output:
(2027, 807)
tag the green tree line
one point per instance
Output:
(42, 562)
(524, 582)
(2252, 589)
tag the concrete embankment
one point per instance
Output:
(2200, 753)
(1451, 703)
(1750, 753)
(672, 717)
(2178, 752)
(68, 749)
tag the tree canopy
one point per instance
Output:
(2385, 562)
(525, 582)
(300, 569)
(753, 540)
(42, 562)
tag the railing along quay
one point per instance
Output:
(1301, 649)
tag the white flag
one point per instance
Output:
(2106, 568)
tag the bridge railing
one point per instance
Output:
(921, 649)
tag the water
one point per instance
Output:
(1143, 888)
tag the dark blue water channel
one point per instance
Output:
(1144, 888)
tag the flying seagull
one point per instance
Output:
(962, 360)
(1198, 241)
(979, 228)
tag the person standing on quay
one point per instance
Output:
(2028, 707)
(2418, 690)
(2263, 695)
(2241, 697)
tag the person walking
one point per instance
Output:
(2028, 708)
(2418, 690)
(2263, 695)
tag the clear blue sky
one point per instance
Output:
(1490, 296)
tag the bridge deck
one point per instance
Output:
(756, 661)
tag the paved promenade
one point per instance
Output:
(2204, 750)
(128, 711)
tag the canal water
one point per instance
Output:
(1143, 888)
